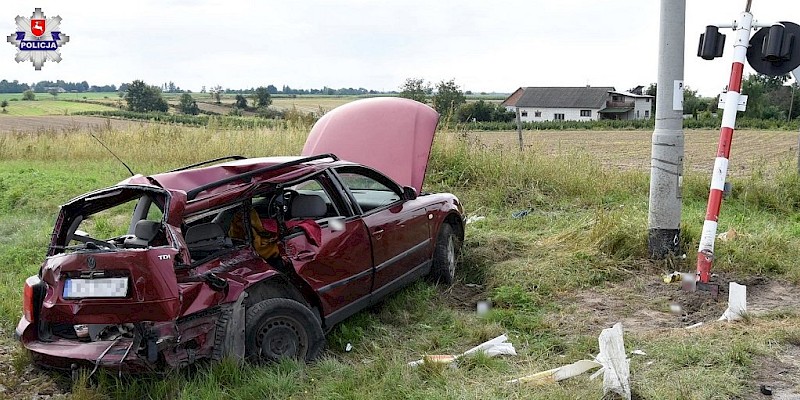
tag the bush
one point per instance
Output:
(144, 98)
(222, 122)
(240, 103)
(188, 105)
(482, 111)
(271, 113)
(28, 95)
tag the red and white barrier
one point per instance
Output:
(705, 253)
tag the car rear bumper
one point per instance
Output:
(63, 354)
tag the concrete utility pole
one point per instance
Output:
(666, 160)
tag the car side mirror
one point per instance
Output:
(409, 193)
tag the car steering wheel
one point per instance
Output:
(273, 208)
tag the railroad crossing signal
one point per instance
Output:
(773, 50)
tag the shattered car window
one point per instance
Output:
(121, 218)
(213, 231)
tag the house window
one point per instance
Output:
(647, 113)
(537, 114)
(558, 117)
(586, 113)
(646, 100)
(637, 114)
(524, 113)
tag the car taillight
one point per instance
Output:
(32, 295)
(27, 302)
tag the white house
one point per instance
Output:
(577, 104)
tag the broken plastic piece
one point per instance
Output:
(348, 348)
(673, 277)
(558, 374)
(694, 325)
(737, 302)
(616, 366)
(495, 347)
(612, 358)
(521, 213)
(475, 218)
(639, 352)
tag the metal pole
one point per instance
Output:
(666, 160)
(705, 252)
(796, 74)
(519, 129)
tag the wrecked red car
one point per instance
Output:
(252, 258)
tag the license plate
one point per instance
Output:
(99, 287)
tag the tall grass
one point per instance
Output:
(148, 148)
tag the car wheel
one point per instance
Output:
(282, 328)
(445, 256)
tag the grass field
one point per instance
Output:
(575, 264)
(62, 96)
(750, 150)
(49, 107)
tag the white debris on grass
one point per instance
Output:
(495, 347)
(614, 363)
(737, 302)
(475, 218)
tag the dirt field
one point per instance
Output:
(631, 149)
(59, 123)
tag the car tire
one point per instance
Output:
(282, 328)
(445, 256)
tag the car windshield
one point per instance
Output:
(112, 219)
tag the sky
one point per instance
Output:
(486, 46)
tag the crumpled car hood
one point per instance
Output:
(393, 135)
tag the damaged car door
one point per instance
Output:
(329, 247)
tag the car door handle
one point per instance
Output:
(377, 233)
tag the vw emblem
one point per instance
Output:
(91, 262)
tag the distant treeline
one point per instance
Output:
(170, 87)
(45, 86)
(272, 89)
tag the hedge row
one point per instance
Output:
(602, 125)
(218, 121)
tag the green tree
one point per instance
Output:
(694, 104)
(28, 95)
(144, 98)
(415, 89)
(216, 94)
(263, 99)
(241, 102)
(483, 111)
(3, 105)
(652, 90)
(448, 97)
(188, 105)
